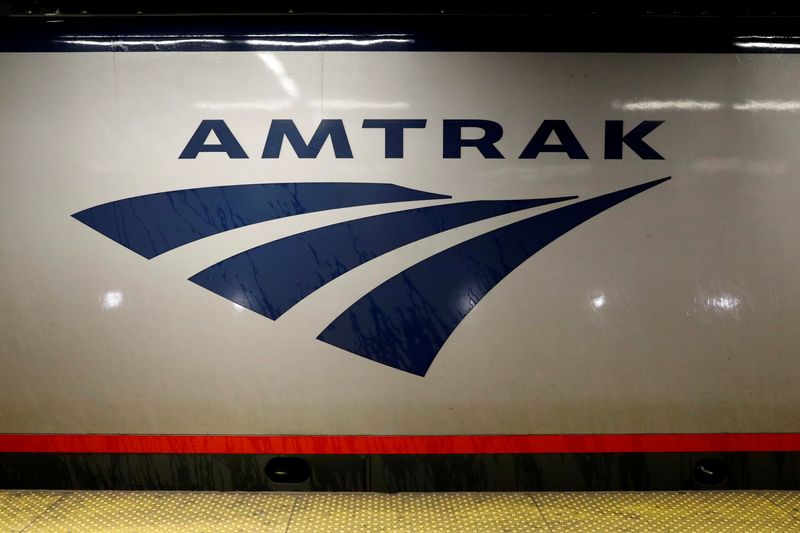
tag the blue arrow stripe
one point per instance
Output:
(156, 223)
(404, 322)
(273, 277)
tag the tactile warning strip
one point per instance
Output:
(664, 511)
(432, 512)
(788, 501)
(143, 512)
(19, 509)
(161, 511)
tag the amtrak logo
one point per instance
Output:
(403, 322)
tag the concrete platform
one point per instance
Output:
(368, 512)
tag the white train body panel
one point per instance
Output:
(674, 311)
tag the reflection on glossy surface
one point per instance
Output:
(323, 35)
(274, 64)
(165, 42)
(760, 168)
(598, 302)
(767, 42)
(266, 105)
(111, 300)
(768, 46)
(149, 36)
(277, 40)
(768, 105)
(327, 42)
(357, 104)
(706, 105)
(276, 69)
(665, 105)
(722, 303)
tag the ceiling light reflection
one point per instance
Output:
(662, 105)
(333, 103)
(722, 303)
(598, 302)
(111, 300)
(267, 105)
(768, 105)
(109, 43)
(766, 45)
(276, 66)
(325, 42)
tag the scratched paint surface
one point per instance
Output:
(271, 278)
(156, 223)
(405, 321)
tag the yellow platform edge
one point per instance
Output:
(141, 512)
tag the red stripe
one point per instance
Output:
(455, 444)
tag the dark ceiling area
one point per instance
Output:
(464, 7)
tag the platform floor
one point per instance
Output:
(427, 513)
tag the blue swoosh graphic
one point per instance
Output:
(156, 223)
(271, 278)
(405, 321)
